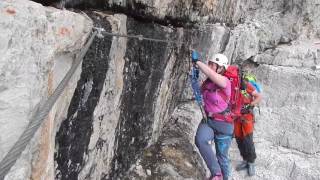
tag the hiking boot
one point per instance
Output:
(251, 169)
(242, 166)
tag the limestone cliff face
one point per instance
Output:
(37, 46)
(131, 115)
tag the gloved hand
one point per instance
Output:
(195, 56)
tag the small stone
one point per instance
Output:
(188, 164)
(139, 171)
(315, 67)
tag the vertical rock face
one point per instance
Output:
(74, 135)
(36, 46)
(144, 71)
(140, 82)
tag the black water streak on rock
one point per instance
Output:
(146, 63)
(74, 134)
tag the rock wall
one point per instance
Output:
(277, 38)
(128, 89)
(37, 46)
(84, 132)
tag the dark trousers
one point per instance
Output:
(246, 147)
(221, 134)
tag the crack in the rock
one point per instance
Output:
(298, 150)
(286, 66)
(292, 169)
(225, 40)
(293, 150)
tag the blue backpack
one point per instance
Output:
(256, 85)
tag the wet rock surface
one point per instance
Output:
(73, 137)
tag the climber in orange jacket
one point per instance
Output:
(243, 126)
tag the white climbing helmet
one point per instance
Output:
(220, 59)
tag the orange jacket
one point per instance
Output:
(244, 124)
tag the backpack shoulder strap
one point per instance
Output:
(223, 95)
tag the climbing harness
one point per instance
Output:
(40, 114)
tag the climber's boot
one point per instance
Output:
(242, 166)
(251, 169)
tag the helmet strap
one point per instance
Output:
(221, 68)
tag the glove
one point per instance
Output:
(195, 56)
